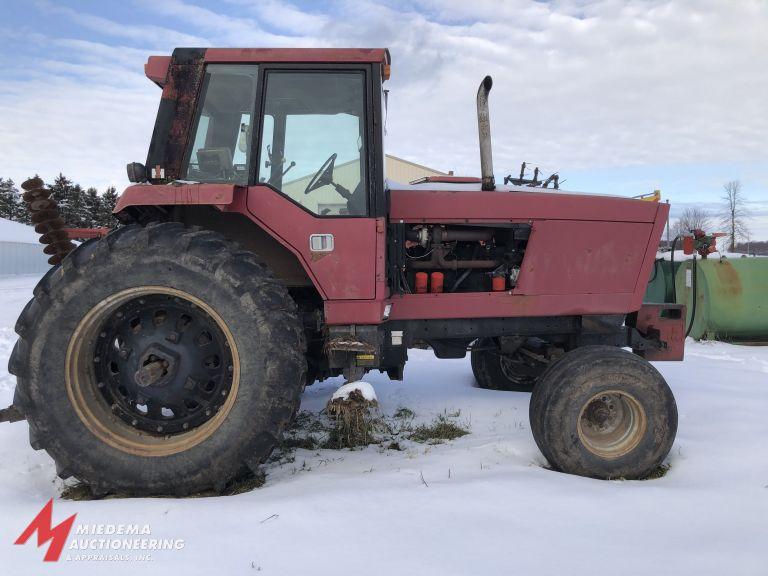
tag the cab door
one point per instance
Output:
(316, 180)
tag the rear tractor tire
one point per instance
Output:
(158, 360)
(604, 413)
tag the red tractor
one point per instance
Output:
(263, 250)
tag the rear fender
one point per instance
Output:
(229, 202)
(358, 240)
(218, 195)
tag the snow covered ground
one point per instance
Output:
(485, 505)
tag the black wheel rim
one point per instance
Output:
(162, 364)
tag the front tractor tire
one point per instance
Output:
(604, 413)
(158, 360)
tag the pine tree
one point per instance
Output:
(108, 202)
(22, 214)
(61, 192)
(12, 207)
(72, 201)
(9, 199)
(78, 211)
(92, 208)
(78, 208)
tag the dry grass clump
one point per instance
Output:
(354, 419)
(659, 472)
(440, 430)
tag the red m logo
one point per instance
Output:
(42, 525)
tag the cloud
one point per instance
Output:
(578, 86)
(49, 127)
(148, 34)
(619, 86)
(284, 16)
(227, 30)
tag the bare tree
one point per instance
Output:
(734, 214)
(692, 218)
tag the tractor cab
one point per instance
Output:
(306, 123)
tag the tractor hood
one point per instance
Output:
(466, 202)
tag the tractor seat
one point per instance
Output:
(215, 163)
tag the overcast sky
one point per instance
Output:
(618, 97)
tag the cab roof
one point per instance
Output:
(156, 67)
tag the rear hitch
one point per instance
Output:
(11, 414)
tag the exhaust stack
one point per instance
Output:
(484, 129)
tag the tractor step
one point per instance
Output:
(11, 414)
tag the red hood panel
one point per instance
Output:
(451, 206)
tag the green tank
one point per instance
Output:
(731, 297)
(660, 284)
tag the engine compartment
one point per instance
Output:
(437, 258)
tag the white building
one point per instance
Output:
(397, 171)
(20, 250)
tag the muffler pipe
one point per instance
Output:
(484, 129)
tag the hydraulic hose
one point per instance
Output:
(655, 270)
(672, 264)
(694, 274)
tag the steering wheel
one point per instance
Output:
(322, 177)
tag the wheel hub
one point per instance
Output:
(611, 424)
(158, 367)
(162, 364)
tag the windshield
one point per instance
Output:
(221, 145)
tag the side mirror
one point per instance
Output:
(137, 172)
